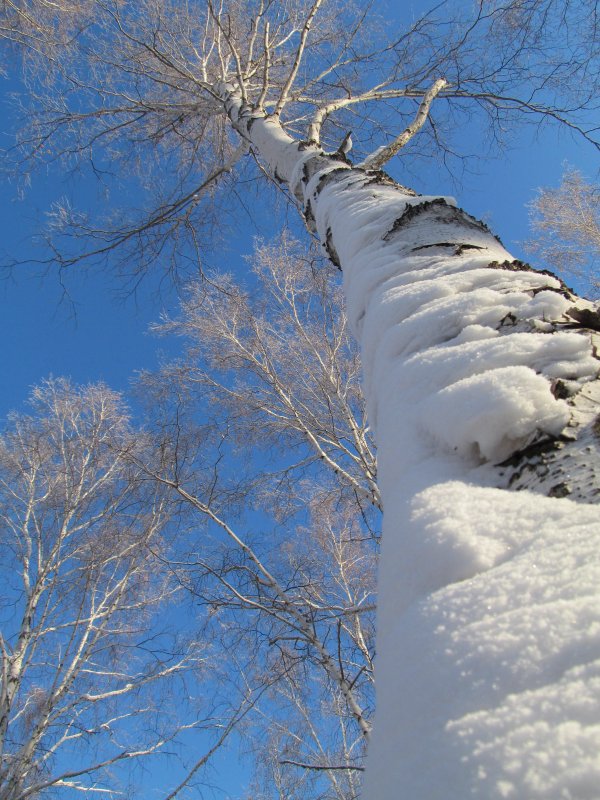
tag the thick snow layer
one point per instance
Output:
(462, 417)
(488, 652)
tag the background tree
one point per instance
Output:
(277, 362)
(281, 552)
(89, 677)
(566, 225)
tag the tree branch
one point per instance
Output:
(381, 156)
(302, 765)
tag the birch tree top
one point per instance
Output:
(134, 91)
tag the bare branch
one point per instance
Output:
(284, 94)
(381, 156)
(320, 767)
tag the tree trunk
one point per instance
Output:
(481, 379)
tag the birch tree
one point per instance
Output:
(283, 551)
(565, 222)
(480, 373)
(86, 674)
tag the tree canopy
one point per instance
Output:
(131, 95)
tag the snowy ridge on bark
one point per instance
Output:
(481, 378)
(511, 351)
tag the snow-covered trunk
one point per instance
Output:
(481, 378)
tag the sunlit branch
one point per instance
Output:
(266, 66)
(324, 111)
(381, 156)
(283, 96)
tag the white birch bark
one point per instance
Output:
(481, 379)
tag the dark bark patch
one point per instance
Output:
(379, 176)
(328, 178)
(413, 211)
(459, 247)
(339, 156)
(416, 209)
(308, 214)
(441, 212)
(533, 451)
(538, 458)
(562, 290)
(278, 177)
(560, 390)
(462, 248)
(596, 427)
(306, 143)
(560, 490)
(509, 319)
(586, 317)
(513, 266)
(522, 266)
(434, 244)
(331, 251)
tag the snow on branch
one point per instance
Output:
(383, 154)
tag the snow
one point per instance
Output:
(488, 651)
(473, 415)
(491, 677)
